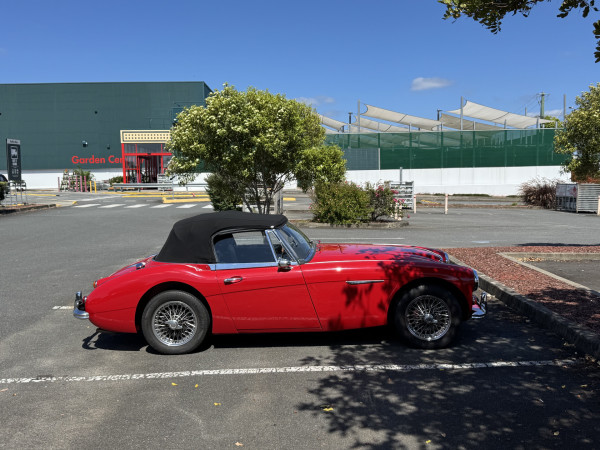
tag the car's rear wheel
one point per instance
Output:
(427, 316)
(175, 322)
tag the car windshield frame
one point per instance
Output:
(289, 233)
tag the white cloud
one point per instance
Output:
(551, 112)
(315, 101)
(422, 84)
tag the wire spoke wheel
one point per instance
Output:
(174, 323)
(428, 317)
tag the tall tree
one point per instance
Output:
(580, 137)
(255, 140)
(490, 13)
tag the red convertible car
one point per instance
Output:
(234, 272)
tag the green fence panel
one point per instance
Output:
(452, 149)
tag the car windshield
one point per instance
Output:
(302, 246)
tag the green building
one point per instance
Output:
(68, 125)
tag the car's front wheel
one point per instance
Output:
(175, 322)
(427, 316)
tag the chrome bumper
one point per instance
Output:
(479, 306)
(79, 307)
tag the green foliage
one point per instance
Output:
(580, 137)
(556, 123)
(114, 180)
(83, 173)
(222, 193)
(347, 203)
(539, 192)
(340, 204)
(325, 164)
(381, 200)
(491, 13)
(254, 137)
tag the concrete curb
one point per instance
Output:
(306, 223)
(9, 210)
(584, 340)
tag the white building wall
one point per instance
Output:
(481, 180)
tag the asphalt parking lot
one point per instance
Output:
(505, 383)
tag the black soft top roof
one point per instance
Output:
(190, 240)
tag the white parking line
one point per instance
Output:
(95, 199)
(112, 206)
(135, 206)
(187, 205)
(62, 307)
(297, 369)
(86, 206)
(166, 205)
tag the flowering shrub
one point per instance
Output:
(348, 203)
(340, 203)
(382, 200)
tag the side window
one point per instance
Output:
(278, 247)
(245, 247)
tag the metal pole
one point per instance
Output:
(461, 114)
(446, 205)
(542, 101)
(414, 203)
(598, 211)
(564, 107)
(358, 116)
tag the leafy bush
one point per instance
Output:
(382, 201)
(341, 203)
(222, 193)
(325, 164)
(114, 180)
(83, 173)
(539, 192)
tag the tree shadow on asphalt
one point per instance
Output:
(510, 407)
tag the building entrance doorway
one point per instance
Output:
(144, 155)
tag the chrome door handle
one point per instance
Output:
(232, 280)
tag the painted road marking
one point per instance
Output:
(297, 369)
(86, 206)
(187, 205)
(207, 206)
(135, 206)
(113, 206)
(162, 206)
(93, 199)
(62, 307)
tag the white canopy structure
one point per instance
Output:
(454, 122)
(332, 123)
(404, 119)
(498, 116)
(378, 126)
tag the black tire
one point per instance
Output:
(427, 316)
(175, 322)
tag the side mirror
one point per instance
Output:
(284, 264)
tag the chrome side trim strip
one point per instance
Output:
(364, 281)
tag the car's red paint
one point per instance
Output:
(307, 297)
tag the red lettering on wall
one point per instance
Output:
(93, 160)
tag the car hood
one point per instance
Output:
(358, 252)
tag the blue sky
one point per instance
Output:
(399, 55)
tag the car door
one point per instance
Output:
(259, 294)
